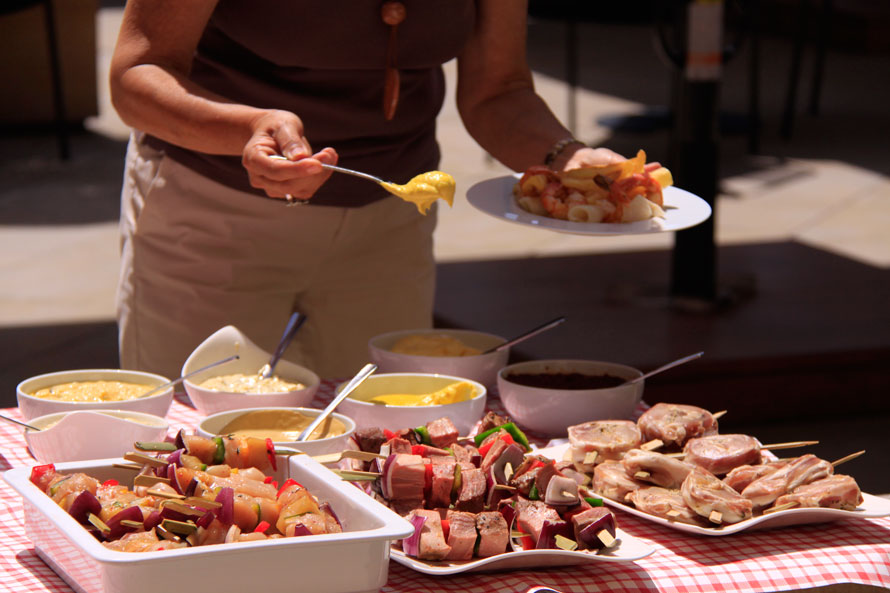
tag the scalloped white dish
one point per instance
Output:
(495, 198)
(629, 549)
(871, 508)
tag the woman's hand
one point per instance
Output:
(585, 157)
(281, 133)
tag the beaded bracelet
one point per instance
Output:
(557, 149)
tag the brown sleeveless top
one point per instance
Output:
(324, 61)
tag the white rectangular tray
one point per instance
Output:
(310, 563)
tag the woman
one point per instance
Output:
(215, 88)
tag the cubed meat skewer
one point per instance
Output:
(804, 469)
(442, 431)
(432, 544)
(610, 479)
(674, 424)
(600, 440)
(836, 492)
(706, 494)
(493, 534)
(471, 496)
(721, 453)
(664, 503)
(461, 535)
(655, 468)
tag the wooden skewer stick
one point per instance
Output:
(642, 475)
(781, 507)
(604, 536)
(771, 447)
(163, 494)
(146, 480)
(847, 458)
(356, 476)
(716, 517)
(717, 415)
(131, 466)
(348, 454)
(590, 458)
(652, 445)
(145, 459)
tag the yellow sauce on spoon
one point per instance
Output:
(424, 189)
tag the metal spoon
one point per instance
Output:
(293, 324)
(187, 375)
(347, 389)
(665, 367)
(14, 421)
(338, 169)
(523, 337)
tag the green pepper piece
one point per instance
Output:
(220, 454)
(458, 481)
(594, 502)
(533, 493)
(509, 428)
(424, 435)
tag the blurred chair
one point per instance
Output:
(59, 115)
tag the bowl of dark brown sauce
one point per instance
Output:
(548, 396)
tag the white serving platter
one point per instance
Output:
(871, 508)
(627, 549)
(495, 198)
(310, 563)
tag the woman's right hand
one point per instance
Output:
(278, 132)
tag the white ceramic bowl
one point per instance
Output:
(463, 414)
(226, 342)
(552, 411)
(32, 407)
(91, 434)
(213, 425)
(482, 367)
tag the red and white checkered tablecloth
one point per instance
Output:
(802, 557)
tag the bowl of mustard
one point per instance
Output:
(283, 425)
(405, 400)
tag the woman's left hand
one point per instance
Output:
(586, 157)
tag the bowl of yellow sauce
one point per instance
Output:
(405, 400)
(283, 425)
(93, 389)
(456, 352)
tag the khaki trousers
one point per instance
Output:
(197, 255)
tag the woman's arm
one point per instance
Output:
(151, 91)
(497, 100)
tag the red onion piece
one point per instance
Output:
(385, 478)
(550, 530)
(588, 535)
(300, 530)
(133, 513)
(226, 512)
(326, 508)
(411, 544)
(152, 521)
(205, 519)
(174, 481)
(85, 503)
(176, 457)
(179, 441)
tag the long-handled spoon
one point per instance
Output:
(524, 336)
(338, 169)
(347, 389)
(187, 375)
(665, 367)
(293, 324)
(14, 421)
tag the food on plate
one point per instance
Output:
(178, 501)
(664, 503)
(674, 424)
(93, 391)
(626, 191)
(655, 468)
(458, 391)
(244, 383)
(834, 492)
(280, 425)
(610, 479)
(433, 345)
(721, 453)
(423, 190)
(739, 477)
(800, 471)
(708, 496)
(478, 496)
(601, 440)
(565, 380)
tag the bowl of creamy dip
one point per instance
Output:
(456, 352)
(93, 389)
(283, 425)
(405, 400)
(236, 385)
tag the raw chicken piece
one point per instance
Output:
(802, 470)
(704, 493)
(611, 480)
(739, 478)
(656, 468)
(835, 492)
(608, 439)
(664, 503)
(721, 453)
(674, 424)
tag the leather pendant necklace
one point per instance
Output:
(393, 13)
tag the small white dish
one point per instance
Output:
(32, 407)
(91, 434)
(463, 414)
(230, 340)
(212, 426)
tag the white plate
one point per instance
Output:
(872, 507)
(628, 549)
(495, 197)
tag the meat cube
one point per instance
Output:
(674, 424)
(432, 539)
(834, 492)
(659, 469)
(664, 503)
(443, 432)
(531, 515)
(370, 439)
(543, 477)
(721, 453)
(405, 477)
(610, 479)
(493, 534)
(461, 535)
(404, 507)
(465, 454)
(471, 496)
(497, 447)
(428, 451)
(442, 483)
(399, 445)
(489, 421)
(600, 440)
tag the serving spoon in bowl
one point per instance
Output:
(665, 367)
(295, 322)
(347, 389)
(526, 335)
